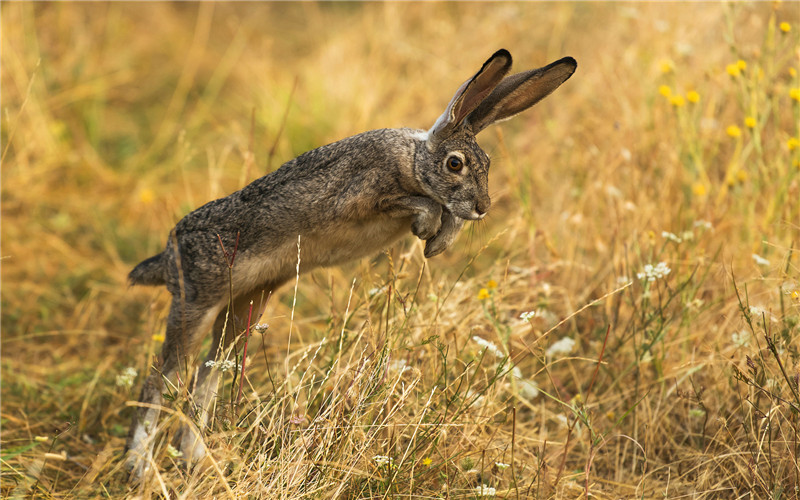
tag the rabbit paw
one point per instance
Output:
(451, 226)
(427, 222)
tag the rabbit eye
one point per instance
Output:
(455, 163)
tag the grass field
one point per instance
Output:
(624, 324)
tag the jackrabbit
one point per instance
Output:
(344, 201)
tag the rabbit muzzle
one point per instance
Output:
(470, 211)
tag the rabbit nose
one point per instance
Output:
(481, 208)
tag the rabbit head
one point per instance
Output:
(456, 170)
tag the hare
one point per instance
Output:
(344, 201)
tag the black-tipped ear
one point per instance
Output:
(519, 92)
(472, 93)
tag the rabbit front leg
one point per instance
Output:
(426, 214)
(451, 226)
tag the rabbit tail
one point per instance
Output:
(149, 272)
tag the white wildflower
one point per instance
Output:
(683, 48)
(703, 224)
(528, 389)
(489, 345)
(741, 339)
(485, 491)
(757, 312)
(671, 236)
(398, 366)
(223, 366)
(761, 261)
(559, 347)
(773, 386)
(540, 314)
(530, 315)
(652, 273)
(127, 377)
(501, 465)
(695, 304)
(477, 400)
(382, 460)
(261, 328)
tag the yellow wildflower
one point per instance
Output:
(483, 294)
(785, 27)
(741, 176)
(58, 128)
(693, 96)
(427, 461)
(677, 101)
(491, 285)
(792, 72)
(666, 66)
(750, 122)
(741, 65)
(792, 143)
(699, 189)
(665, 91)
(795, 94)
(733, 70)
(146, 196)
(158, 337)
(733, 131)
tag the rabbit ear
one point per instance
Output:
(517, 93)
(470, 95)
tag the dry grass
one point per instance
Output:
(117, 119)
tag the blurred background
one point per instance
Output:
(675, 142)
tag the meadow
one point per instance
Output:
(625, 323)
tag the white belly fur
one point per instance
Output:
(347, 242)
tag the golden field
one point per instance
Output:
(624, 324)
